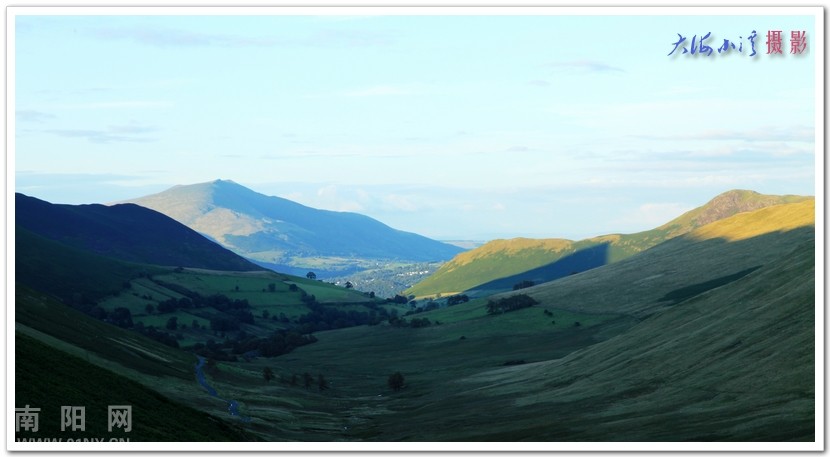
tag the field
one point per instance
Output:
(707, 337)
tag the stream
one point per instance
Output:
(233, 405)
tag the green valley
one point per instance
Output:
(708, 336)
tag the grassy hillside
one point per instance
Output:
(733, 364)
(40, 316)
(498, 265)
(640, 282)
(707, 337)
(74, 275)
(48, 378)
(699, 339)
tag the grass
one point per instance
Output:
(734, 362)
(47, 378)
(513, 258)
(70, 273)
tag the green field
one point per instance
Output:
(707, 337)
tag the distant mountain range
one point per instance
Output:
(278, 232)
(500, 264)
(126, 232)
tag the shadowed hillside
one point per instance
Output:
(735, 363)
(497, 265)
(707, 337)
(125, 232)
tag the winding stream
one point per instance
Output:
(233, 405)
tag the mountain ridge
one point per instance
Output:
(277, 230)
(501, 259)
(126, 232)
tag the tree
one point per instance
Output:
(396, 381)
(457, 299)
(311, 275)
(511, 303)
(349, 285)
(122, 317)
(267, 374)
(523, 284)
(172, 323)
(307, 380)
(293, 380)
(272, 287)
(322, 384)
(149, 308)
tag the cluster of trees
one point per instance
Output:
(294, 380)
(431, 305)
(213, 351)
(399, 299)
(279, 343)
(123, 318)
(158, 335)
(511, 303)
(457, 299)
(195, 300)
(323, 317)
(246, 346)
(523, 285)
(412, 323)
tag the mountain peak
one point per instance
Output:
(276, 230)
(725, 205)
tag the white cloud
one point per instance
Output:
(653, 214)
(330, 198)
(400, 203)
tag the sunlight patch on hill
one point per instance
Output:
(771, 219)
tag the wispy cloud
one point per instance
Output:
(154, 35)
(164, 37)
(586, 65)
(117, 104)
(538, 83)
(81, 188)
(33, 116)
(652, 214)
(348, 38)
(130, 133)
(797, 133)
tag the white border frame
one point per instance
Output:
(531, 8)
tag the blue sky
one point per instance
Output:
(454, 127)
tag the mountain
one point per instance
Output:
(72, 274)
(278, 231)
(126, 232)
(500, 264)
(707, 337)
